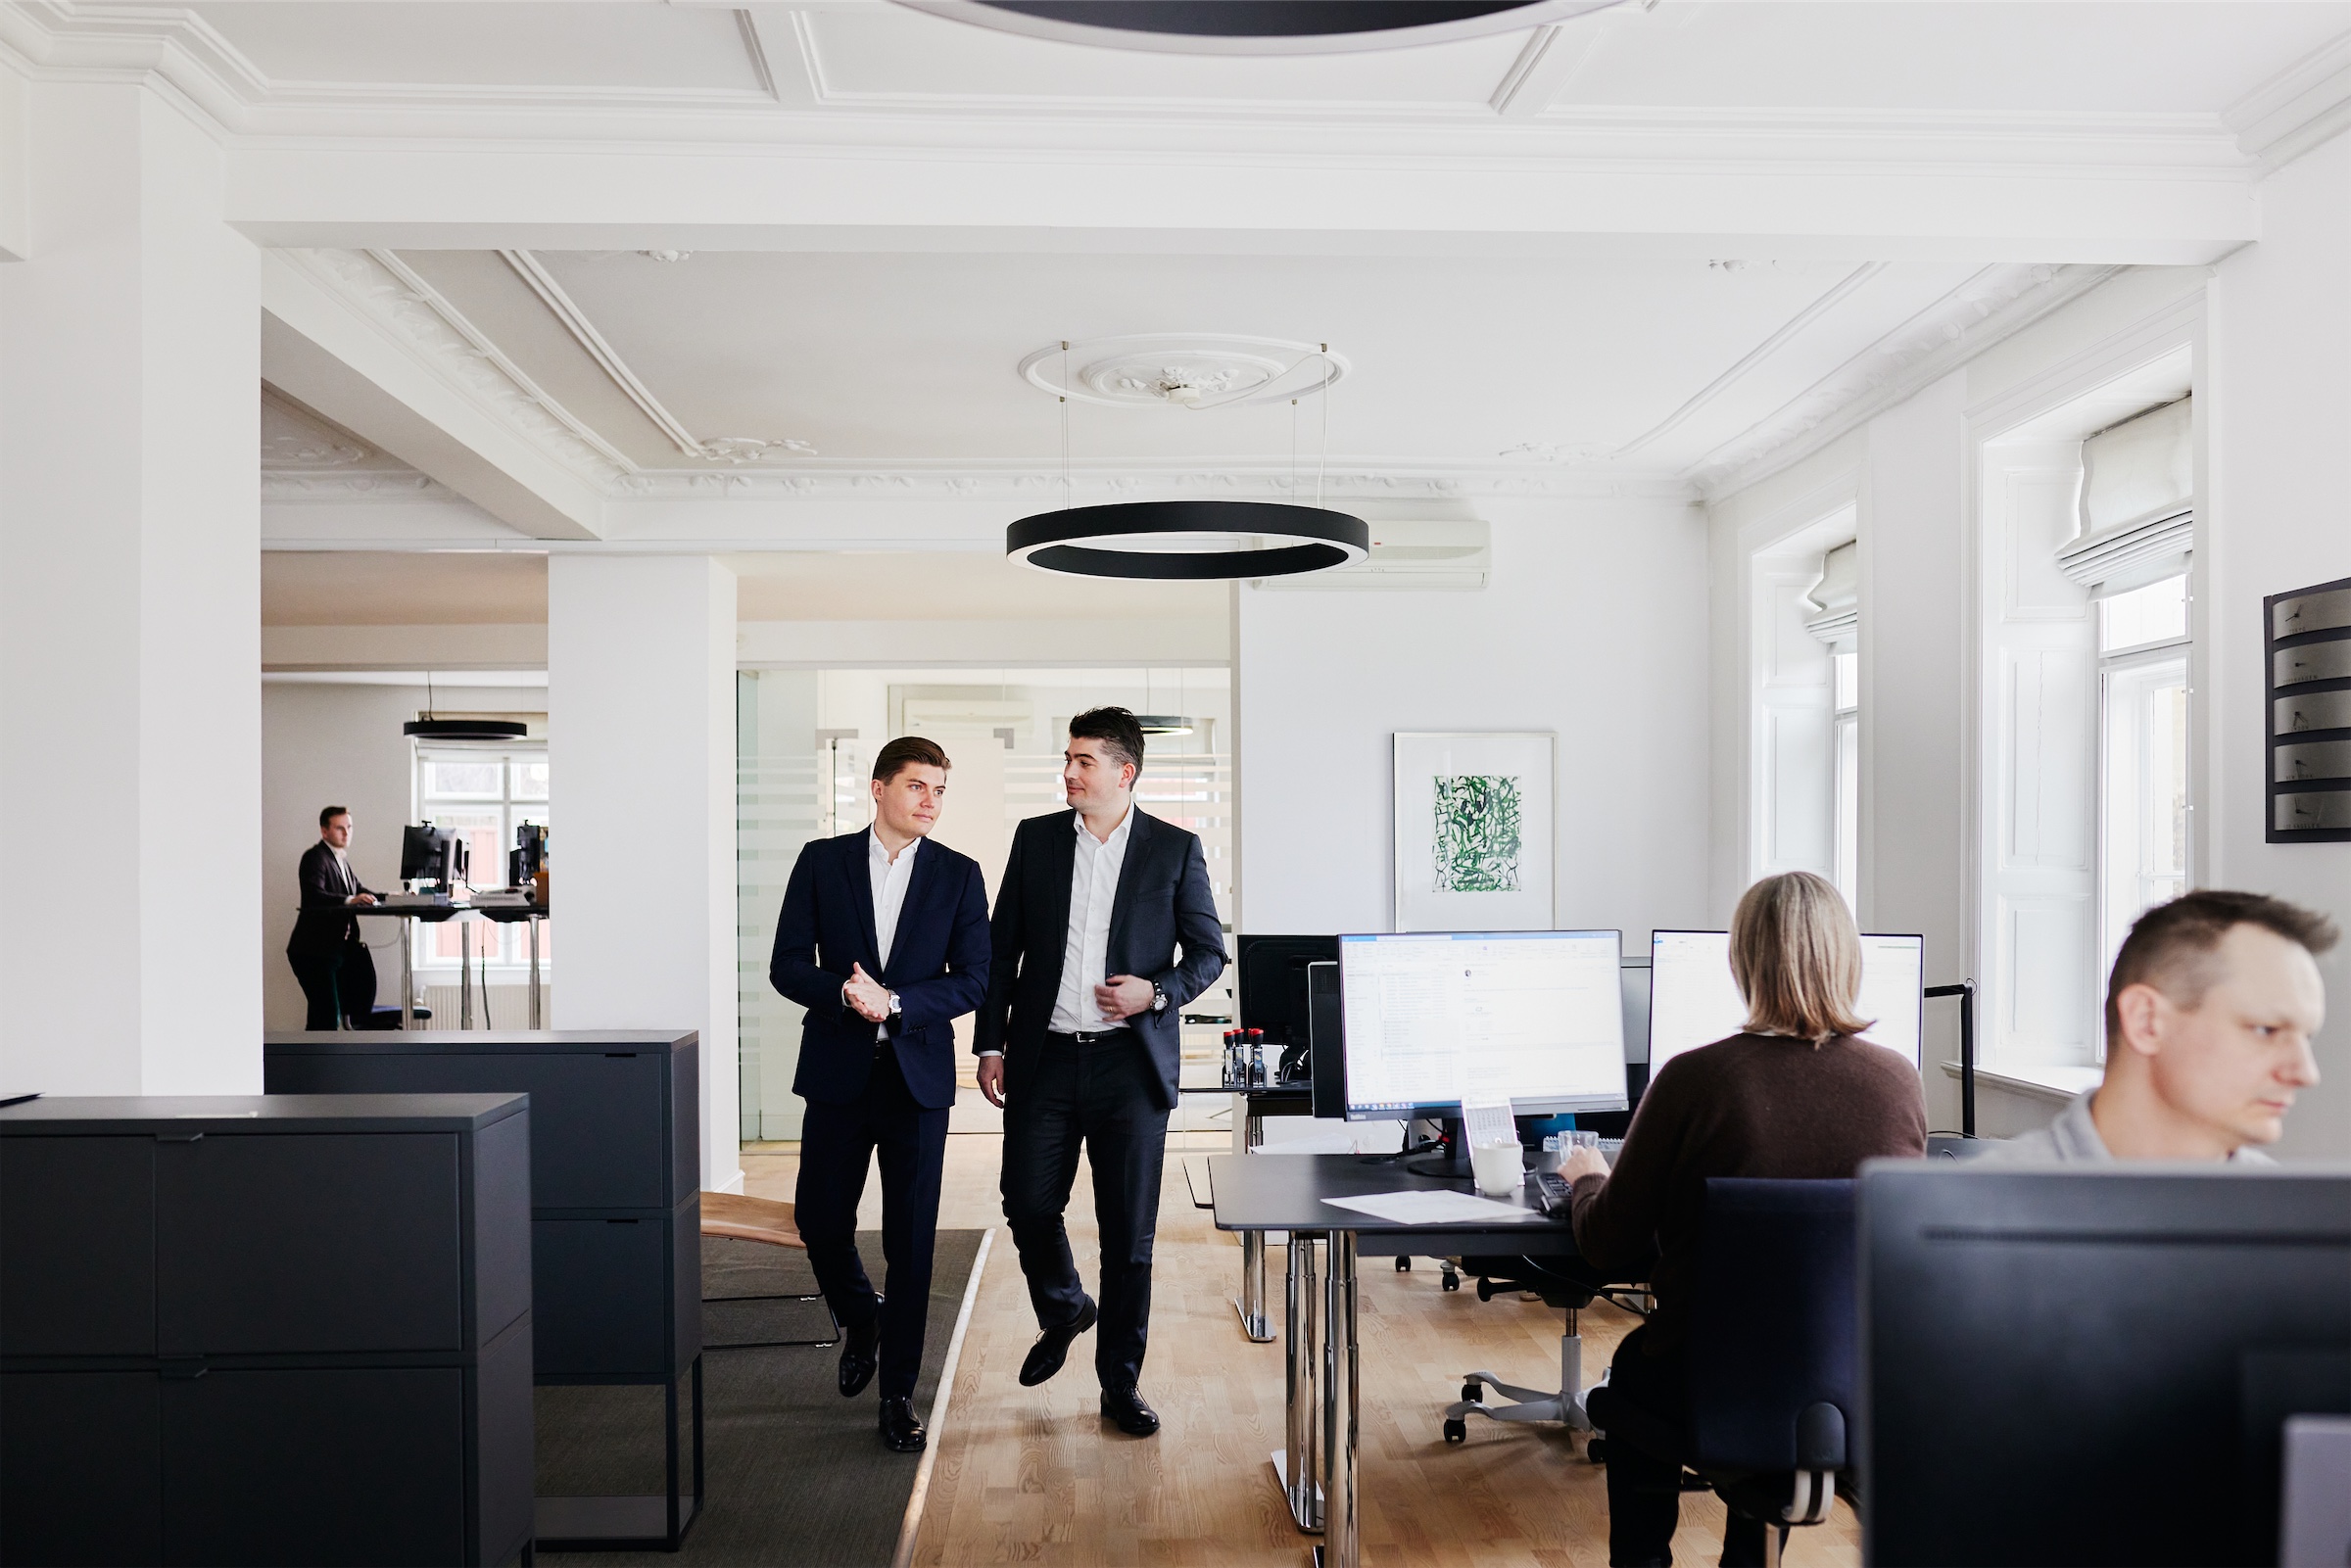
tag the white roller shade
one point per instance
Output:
(1838, 597)
(2137, 503)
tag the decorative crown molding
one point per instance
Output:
(2294, 111)
(1992, 305)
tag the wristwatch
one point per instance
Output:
(1159, 998)
(894, 1007)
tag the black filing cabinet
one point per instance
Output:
(266, 1330)
(615, 1207)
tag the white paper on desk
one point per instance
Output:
(1439, 1207)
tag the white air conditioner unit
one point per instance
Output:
(1423, 556)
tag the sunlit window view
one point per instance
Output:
(483, 796)
(2143, 805)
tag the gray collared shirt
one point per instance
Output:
(2073, 1137)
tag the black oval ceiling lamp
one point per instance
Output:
(1166, 723)
(1258, 27)
(1189, 541)
(428, 727)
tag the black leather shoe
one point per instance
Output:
(1052, 1346)
(901, 1430)
(1127, 1407)
(860, 1353)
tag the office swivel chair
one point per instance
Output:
(1774, 1371)
(1563, 1282)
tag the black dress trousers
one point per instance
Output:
(1101, 1096)
(339, 978)
(838, 1142)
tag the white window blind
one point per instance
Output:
(2137, 518)
(1838, 597)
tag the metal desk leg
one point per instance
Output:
(408, 973)
(1302, 1465)
(1256, 1326)
(464, 975)
(532, 924)
(1339, 1393)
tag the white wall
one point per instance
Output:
(640, 730)
(2280, 517)
(1592, 627)
(342, 745)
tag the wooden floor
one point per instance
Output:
(1035, 1476)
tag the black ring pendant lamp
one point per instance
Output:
(1189, 541)
(1258, 26)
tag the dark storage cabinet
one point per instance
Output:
(615, 1205)
(289, 1329)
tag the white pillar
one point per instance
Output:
(641, 763)
(129, 610)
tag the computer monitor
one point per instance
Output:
(1431, 1019)
(425, 852)
(1270, 982)
(2092, 1365)
(1325, 1034)
(1693, 1001)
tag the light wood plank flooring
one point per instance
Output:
(1035, 1476)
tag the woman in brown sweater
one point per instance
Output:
(1795, 1096)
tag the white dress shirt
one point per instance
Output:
(889, 880)
(1086, 951)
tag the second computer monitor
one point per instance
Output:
(1693, 1001)
(1435, 1019)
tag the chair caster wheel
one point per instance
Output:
(1457, 1431)
(1404, 1265)
(1485, 1290)
(1597, 1450)
(1474, 1391)
(1450, 1280)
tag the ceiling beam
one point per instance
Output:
(316, 349)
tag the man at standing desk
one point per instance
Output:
(878, 1057)
(329, 958)
(1078, 1042)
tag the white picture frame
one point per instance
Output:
(1474, 830)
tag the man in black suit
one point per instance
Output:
(1104, 929)
(333, 965)
(884, 939)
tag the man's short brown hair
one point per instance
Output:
(327, 814)
(2171, 946)
(1121, 734)
(908, 751)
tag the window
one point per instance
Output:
(483, 795)
(1847, 874)
(2143, 720)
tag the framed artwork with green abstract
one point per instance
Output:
(1473, 831)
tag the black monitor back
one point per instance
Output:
(1324, 1022)
(423, 848)
(2092, 1365)
(1271, 982)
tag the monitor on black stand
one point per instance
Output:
(2092, 1365)
(1433, 1021)
(424, 853)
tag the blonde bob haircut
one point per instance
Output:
(1798, 959)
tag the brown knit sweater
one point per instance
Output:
(1753, 1105)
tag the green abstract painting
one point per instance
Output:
(1477, 836)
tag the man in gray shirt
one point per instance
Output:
(2209, 1017)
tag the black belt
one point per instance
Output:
(1094, 1036)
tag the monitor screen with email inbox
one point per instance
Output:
(1693, 1001)
(1433, 1020)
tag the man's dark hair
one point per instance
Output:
(1116, 729)
(327, 814)
(907, 751)
(2171, 946)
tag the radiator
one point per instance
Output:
(509, 1005)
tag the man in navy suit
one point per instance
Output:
(1104, 929)
(884, 939)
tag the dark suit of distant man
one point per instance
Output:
(1099, 941)
(331, 962)
(878, 1059)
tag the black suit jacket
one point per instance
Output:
(1163, 928)
(938, 965)
(325, 921)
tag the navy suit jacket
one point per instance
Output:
(1163, 904)
(938, 962)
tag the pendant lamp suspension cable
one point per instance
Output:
(1323, 454)
(1064, 400)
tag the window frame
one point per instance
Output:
(508, 948)
(2177, 650)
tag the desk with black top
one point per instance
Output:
(434, 915)
(1264, 1191)
(1256, 1104)
(265, 1329)
(615, 1214)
